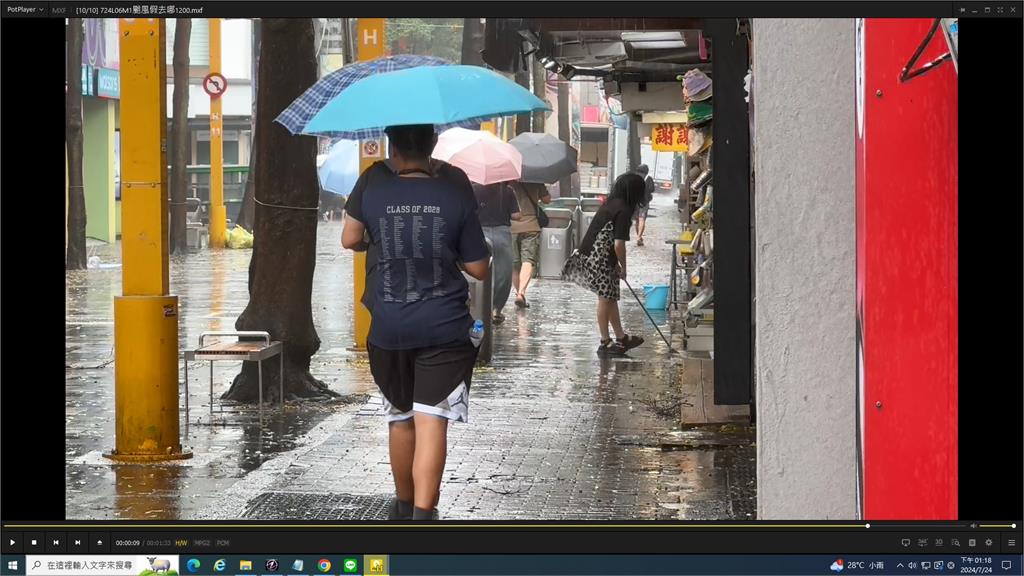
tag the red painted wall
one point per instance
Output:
(907, 274)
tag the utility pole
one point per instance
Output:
(218, 213)
(146, 424)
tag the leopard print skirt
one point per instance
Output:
(595, 271)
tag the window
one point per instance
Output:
(198, 46)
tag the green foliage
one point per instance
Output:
(440, 37)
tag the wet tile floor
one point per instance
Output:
(554, 431)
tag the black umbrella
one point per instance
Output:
(546, 159)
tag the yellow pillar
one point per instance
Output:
(218, 213)
(146, 316)
(370, 38)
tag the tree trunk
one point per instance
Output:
(472, 42)
(180, 142)
(523, 120)
(76, 253)
(346, 43)
(247, 214)
(540, 81)
(284, 254)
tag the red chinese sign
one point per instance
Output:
(668, 138)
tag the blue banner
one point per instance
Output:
(108, 83)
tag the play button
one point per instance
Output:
(12, 544)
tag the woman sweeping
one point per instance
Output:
(601, 260)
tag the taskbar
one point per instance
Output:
(508, 565)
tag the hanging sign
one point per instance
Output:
(668, 138)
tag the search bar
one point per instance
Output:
(97, 564)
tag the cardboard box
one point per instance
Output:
(589, 153)
(602, 154)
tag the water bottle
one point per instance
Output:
(476, 333)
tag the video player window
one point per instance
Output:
(375, 269)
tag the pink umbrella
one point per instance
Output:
(484, 157)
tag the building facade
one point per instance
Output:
(101, 112)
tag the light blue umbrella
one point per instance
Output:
(438, 95)
(340, 170)
(300, 111)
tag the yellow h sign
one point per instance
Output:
(370, 33)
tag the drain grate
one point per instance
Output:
(741, 473)
(301, 506)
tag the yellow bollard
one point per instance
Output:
(146, 316)
(147, 427)
(370, 38)
(218, 212)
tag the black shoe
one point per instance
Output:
(603, 348)
(498, 318)
(629, 342)
(421, 514)
(613, 348)
(521, 302)
(399, 510)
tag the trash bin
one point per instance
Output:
(555, 242)
(588, 207)
(480, 295)
(569, 203)
(572, 204)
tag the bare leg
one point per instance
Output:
(428, 465)
(515, 279)
(402, 445)
(615, 319)
(602, 318)
(525, 275)
(641, 225)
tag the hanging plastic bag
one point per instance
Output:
(239, 238)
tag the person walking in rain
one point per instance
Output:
(421, 219)
(498, 208)
(526, 234)
(600, 261)
(640, 215)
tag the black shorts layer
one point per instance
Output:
(431, 380)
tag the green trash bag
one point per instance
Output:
(239, 237)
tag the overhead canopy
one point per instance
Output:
(615, 49)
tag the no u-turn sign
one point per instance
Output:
(215, 85)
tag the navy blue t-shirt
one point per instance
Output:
(421, 228)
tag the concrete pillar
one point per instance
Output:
(98, 160)
(805, 206)
(621, 152)
(564, 131)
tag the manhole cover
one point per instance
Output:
(300, 506)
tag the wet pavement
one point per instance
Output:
(554, 431)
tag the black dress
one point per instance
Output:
(594, 265)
